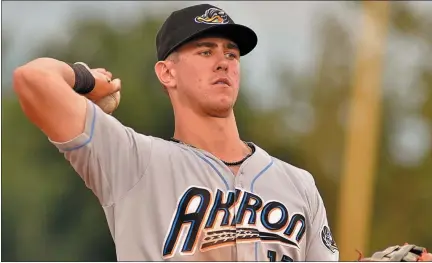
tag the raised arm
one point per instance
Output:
(321, 244)
(110, 157)
(44, 89)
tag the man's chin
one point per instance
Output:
(220, 112)
(221, 115)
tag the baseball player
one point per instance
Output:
(203, 195)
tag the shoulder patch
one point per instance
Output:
(327, 239)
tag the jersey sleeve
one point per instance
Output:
(321, 245)
(110, 157)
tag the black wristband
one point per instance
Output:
(84, 80)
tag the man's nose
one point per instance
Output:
(222, 63)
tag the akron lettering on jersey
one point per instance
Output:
(233, 226)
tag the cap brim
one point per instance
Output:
(244, 37)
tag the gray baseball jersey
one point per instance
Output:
(169, 201)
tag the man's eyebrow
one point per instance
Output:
(230, 45)
(206, 44)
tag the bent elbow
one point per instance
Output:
(26, 77)
(19, 79)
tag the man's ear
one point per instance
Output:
(165, 73)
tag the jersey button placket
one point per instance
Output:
(239, 184)
(239, 179)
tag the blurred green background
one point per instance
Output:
(301, 117)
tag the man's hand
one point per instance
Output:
(104, 86)
(426, 257)
(405, 253)
(106, 93)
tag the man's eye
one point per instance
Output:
(205, 53)
(231, 55)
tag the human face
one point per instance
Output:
(207, 76)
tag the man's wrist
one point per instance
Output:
(84, 80)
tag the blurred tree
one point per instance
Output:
(5, 47)
(314, 106)
(404, 176)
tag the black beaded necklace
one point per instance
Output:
(252, 147)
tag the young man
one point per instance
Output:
(204, 195)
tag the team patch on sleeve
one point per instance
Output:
(327, 239)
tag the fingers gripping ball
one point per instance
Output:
(109, 103)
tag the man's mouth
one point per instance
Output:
(225, 81)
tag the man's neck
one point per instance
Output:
(218, 136)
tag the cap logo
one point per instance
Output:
(213, 16)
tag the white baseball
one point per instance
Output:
(109, 103)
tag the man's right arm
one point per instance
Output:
(44, 89)
(109, 157)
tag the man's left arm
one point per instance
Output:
(321, 245)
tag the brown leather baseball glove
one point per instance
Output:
(405, 253)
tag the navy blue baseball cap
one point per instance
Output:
(201, 20)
